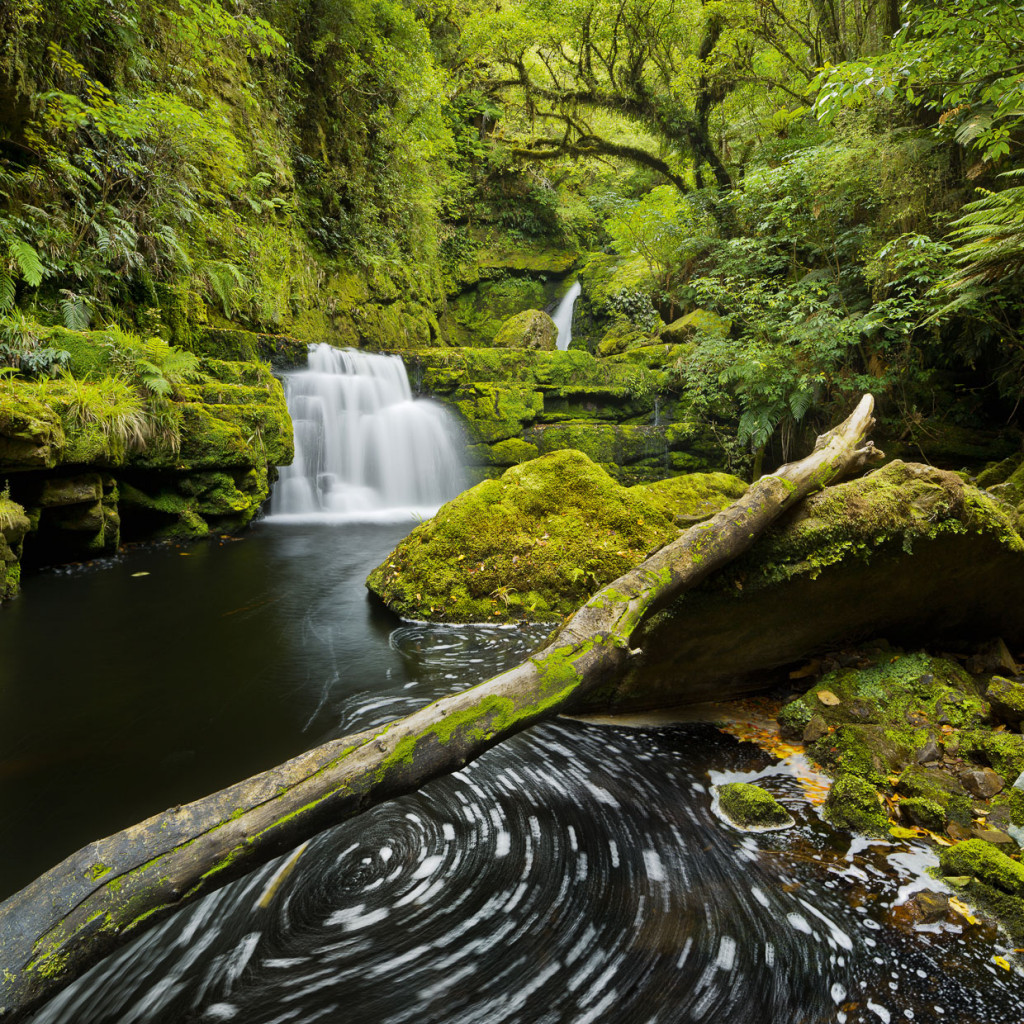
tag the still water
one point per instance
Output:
(576, 873)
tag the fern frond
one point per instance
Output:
(6, 290)
(28, 261)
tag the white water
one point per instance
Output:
(563, 316)
(364, 448)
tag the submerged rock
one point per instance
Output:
(750, 807)
(536, 543)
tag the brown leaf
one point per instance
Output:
(828, 698)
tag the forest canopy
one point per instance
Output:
(834, 187)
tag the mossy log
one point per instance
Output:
(107, 893)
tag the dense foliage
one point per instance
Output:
(834, 188)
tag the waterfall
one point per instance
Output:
(364, 448)
(563, 315)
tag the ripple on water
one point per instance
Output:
(572, 874)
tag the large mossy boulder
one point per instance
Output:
(531, 329)
(537, 542)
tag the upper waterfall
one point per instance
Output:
(364, 447)
(563, 315)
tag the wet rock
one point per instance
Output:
(854, 804)
(993, 656)
(929, 907)
(1006, 696)
(930, 752)
(816, 728)
(981, 782)
(750, 807)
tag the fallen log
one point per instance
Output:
(107, 893)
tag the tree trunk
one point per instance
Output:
(107, 893)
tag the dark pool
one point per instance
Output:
(576, 873)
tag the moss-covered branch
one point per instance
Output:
(107, 893)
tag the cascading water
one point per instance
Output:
(563, 315)
(364, 448)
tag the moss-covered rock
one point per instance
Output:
(694, 323)
(905, 552)
(995, 883)
(750, 807)
(927, 813)
(936, 787)
(531, 329)
(14, 524)
(537, 542)
(1003, 751)
(1006, 698)
(854, 804)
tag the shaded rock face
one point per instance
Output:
(907, 552)
(14, 524)
(536, 543)
(531, 329)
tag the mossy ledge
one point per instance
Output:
(97, 456)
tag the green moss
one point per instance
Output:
(871, 752)
(888, 510)
(1003, 751)
(751, 807)
(1006, 697)
(922, 811)
(853, 803)
(985, 862)
(530, 329)
(936, 787)
(534, 544)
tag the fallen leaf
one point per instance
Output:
(1000, 961)
(898, 832)
(828, 698)
(140, 573)
(963, 910)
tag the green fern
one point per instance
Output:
(7, 290)
(74, 311)
(989, 238)
(28, 262)
(224, 278)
